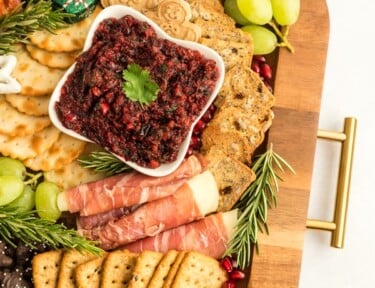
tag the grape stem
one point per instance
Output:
(33, 178)
(283, 35)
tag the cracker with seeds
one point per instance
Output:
(87, 275)
(173, 271)
(23, 147)
(70, 260)
(35, 79)
(199, 271)
(144, 268)
(45, 268)
(34, 106)
(161, 272)
(62, 152)
(14, 123)
(60, 60)
(117, 269)
(69, 39)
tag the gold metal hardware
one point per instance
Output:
(338, 225)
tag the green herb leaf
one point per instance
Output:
(254, 203)
(138, 85)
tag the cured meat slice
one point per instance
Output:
(126, 190)
(193, 200)
(209, 236)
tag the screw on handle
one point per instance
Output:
(338, 225)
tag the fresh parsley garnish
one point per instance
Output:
(138, 85)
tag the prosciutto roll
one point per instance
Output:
(209, 236)
(126, 190)
(193, 200)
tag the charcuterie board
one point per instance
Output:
(298, 87)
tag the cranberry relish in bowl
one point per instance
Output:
(136, 91)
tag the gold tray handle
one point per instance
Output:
(337, 227)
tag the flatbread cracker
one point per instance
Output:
(14, 123)
(45, 268)
(70, 260)
(35, 106)
(87, 275)
(61, 60)
(144, 268)
(199, 271)
(62, 152)
(118, 268)
(23, 147)
(161, 272)
(68, 39)
(173, 271)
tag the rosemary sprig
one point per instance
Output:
(36, 15)
(254, 203)
(29, 228)
(102, 161)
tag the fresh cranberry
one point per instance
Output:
(229, 284)
(227, 264)
(237, 274)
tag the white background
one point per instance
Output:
(348, 92)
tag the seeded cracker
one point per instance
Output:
(118, 268)
(70, 260)
(14, 123)
(34, 106)
(145, 267)
(45, 267)
(35, 79)
(87, 275)
(161, 272)
(199, 271)
(23, 147)
(173, 271)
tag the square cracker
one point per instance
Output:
(70, 260)
(46, 268)
(199, 271)
(161, 272)
(173, 271)
(117, 269)
(144, 268)
(87, 275)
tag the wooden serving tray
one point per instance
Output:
(298, 87)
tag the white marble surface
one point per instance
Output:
(348, 92)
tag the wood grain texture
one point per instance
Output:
(298, 88)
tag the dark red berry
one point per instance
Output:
(237, 274)
(198, 128)
(227, 264)
(265, 71)
(207, 116)
(259, 58)
(255, 67)
(189, 152)
(229, 284)
(195, 142)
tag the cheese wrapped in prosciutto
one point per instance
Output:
(193, 200)
(209, 236)
(126, 190)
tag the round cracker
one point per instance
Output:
(23, 147)
(35, 106)
(14, 123)
(35, 78)
(62, 152)
(68, 39)
(60, 60)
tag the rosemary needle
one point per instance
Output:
(254, 203)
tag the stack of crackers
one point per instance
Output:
(122, 268)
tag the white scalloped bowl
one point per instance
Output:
(118, 11)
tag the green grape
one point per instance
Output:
(265, 41)
(9, 166)
(46, 201)
(249, 11)
(11, 187)
(286, 12)
(25, 202)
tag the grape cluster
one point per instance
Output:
(23, 191)
(267, 21)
